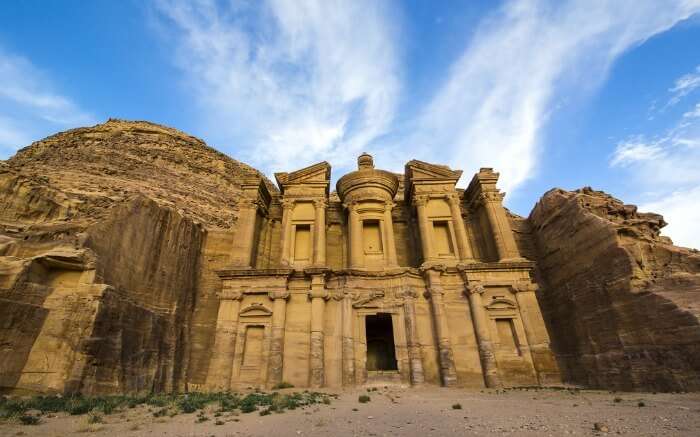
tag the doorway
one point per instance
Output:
(381, 353)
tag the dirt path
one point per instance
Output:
(422, 412)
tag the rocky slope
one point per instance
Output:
(102, 236)
(621, 302)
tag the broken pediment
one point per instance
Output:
(255, 310)
(501, 304)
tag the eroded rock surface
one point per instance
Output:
(622, 303)
(102, 236)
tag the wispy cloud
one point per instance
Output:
(681, 209)
(667, 166)
(289, 83)
(493, 108)
(29, 105)
(684, 85)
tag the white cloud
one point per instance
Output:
(681, 210)
(668, 167)
(635, 150)
(29, 106)
(685, 85)
(287, 84)
(497, 97)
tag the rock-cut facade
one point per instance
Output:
(134, 258)
(394, 278)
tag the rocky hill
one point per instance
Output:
(84, 172)
(622, 303)
(108, 237)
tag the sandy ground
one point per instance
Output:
(424, 412)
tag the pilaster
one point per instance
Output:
(287, 207)
(318, 295)
(536, 333)
(413, 344)
(424, 227)
(465, 251)
(389, 229)
(483, 336)
(276, 360)
(320, 233)
(221, 363)
(355, 246)
(448, 372)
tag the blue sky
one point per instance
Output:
(549, 93)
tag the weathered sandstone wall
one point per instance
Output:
(109, 236)
(622, 304)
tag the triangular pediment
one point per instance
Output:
(419, 170)
(317, 173)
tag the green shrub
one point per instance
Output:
(94, 417)
(456, 406)
(363, 399)
(282, 385)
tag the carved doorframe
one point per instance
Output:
(254, 315)
(396, 310)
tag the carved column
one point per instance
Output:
(424, 227)
(245, 236)
(318, 296)
(465, 250)
(287, 208)
(414, 349)
(536, 333)
(483, 336)
(320, 234)
(279, 313)
(500, 228)
(356, 255)
(348, 346)
(442, 330)
(389, 229)
(221, 363)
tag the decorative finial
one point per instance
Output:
(365, 161)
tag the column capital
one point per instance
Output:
(474, 288)
(420, 199)
(315, 294)
(247, 203)
(279, 294)
(491, 196)
(407, 293)
(389, 205)
(350, 205)
(524, 287)
(432, 269)
(320, 203)
(287, 203)
(452, 197)
(230, 294)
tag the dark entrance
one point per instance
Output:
(381, 354)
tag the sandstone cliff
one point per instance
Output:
(105, 248)
(622, 304)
